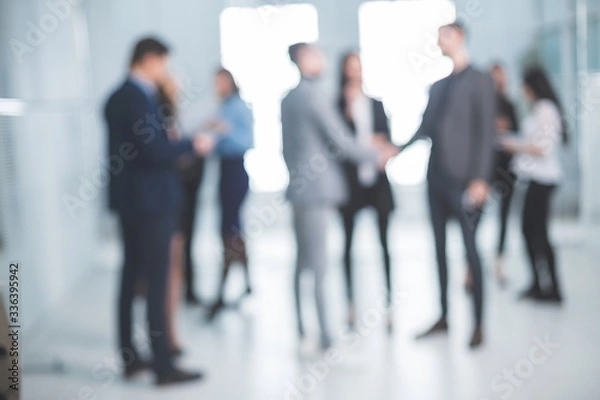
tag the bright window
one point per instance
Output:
(254, 43)
(401, 59)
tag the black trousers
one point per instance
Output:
(506, 188)
(348, 217)
(147, 245)
(445, 202)
(535, 230)
(190, 182)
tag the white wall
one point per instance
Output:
(53, 146)
(590, 143)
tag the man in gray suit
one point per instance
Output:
(459, 120)
(315, 141)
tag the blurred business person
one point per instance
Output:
(168, 93)
(191, 179)
(234, 124)
(504, 178)
(315, 141)
(459, 120)
(367, 185)
(190, 169)
(145, 193)
(191, 174)
(537, 162)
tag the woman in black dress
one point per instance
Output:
(368, 186)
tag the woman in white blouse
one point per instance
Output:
(538, 162)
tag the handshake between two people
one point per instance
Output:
(476, 194)
(385, 148)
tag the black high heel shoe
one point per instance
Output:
(552, 297)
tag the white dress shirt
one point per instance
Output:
(362, 115)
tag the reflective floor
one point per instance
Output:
(531, 351)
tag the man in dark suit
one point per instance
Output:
(459, 120)
(145, 193)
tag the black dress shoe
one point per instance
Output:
(439, 327)
(138, 366)
(552, 297)
(531, 294)
(476, 339)
(175, 376)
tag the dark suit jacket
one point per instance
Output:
(380, 194)
(461, 126)
(144, 180)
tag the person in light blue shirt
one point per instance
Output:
(234, 124)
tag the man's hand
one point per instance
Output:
(203, 144)
(386, 152)
(478, 192)
(379, 140)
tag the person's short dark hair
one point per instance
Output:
(457, 25)
(294, 51)
(147, 46)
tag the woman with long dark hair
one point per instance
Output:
(234, 124)
(368, 186)
(538, 162)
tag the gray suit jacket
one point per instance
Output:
(464, 132)
(315, 141)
